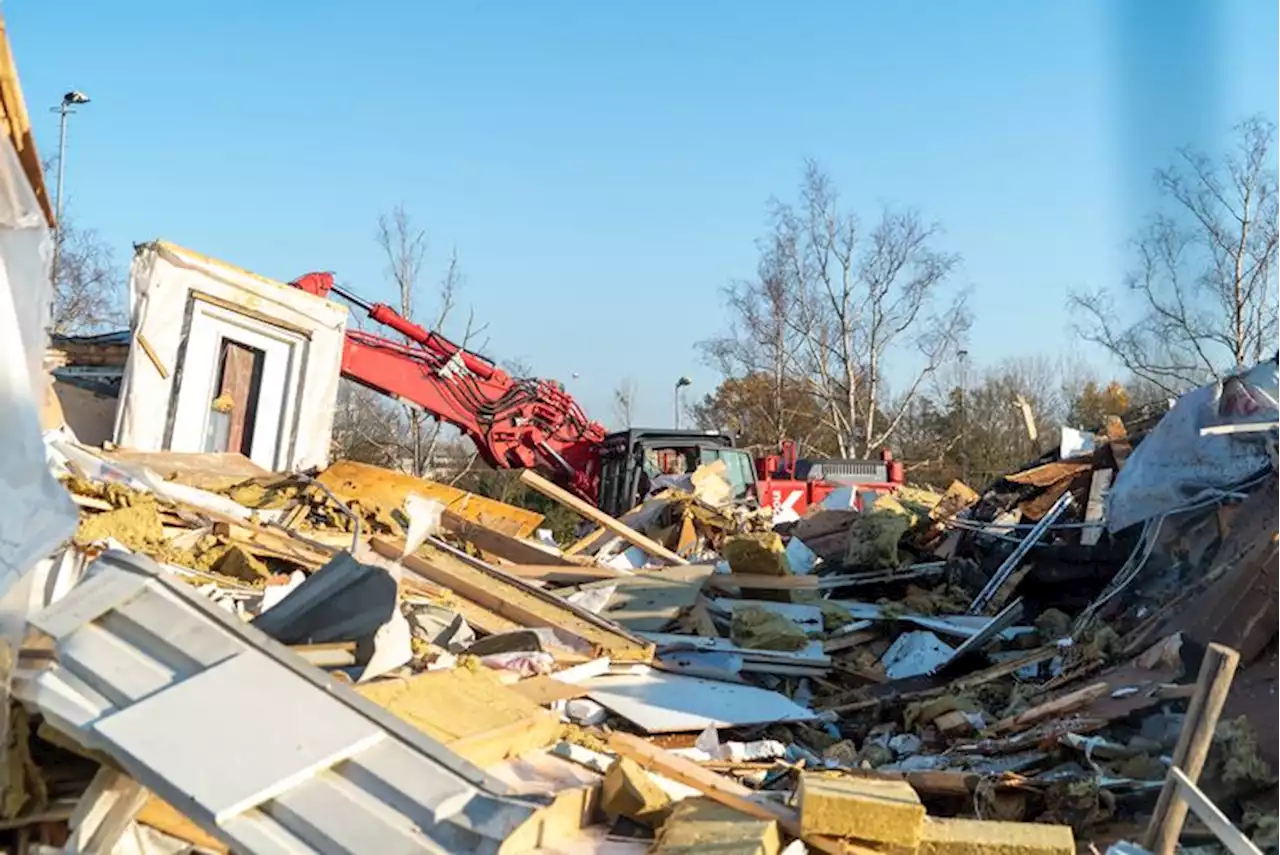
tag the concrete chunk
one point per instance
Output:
(984, 837)
(700, 826)
(875, 811)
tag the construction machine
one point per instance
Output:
(522, 423)
(531, 423)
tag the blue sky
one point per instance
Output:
(603, 168)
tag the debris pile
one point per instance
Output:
(204, 656)
(944, 670)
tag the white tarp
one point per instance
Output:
(167, 286)
(1175, 463)
(38, 513)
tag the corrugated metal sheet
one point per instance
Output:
(262, 750)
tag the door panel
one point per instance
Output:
(226, 357)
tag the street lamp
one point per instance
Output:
(963, 356)
(63, 110)
(680, 384)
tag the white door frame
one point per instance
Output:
(277, 395)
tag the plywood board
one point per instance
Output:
(382, 488)
(673, 703)
(157, 733)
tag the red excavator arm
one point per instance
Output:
(515, 423)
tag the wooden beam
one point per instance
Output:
(517, 601)
(1050, 709)
(1095, 507)
(498, 543)
(1212, 686)
(600, 518)
(564, 575)
(1208, 812)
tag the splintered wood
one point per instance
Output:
(516, 601)
(600, 518)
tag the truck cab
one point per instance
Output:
(631, 459)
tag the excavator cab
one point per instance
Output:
(630, 460)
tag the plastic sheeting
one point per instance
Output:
(166, 286)
(38, 513)
(1175, 464)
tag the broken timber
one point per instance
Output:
(588, 512)
(515, 600)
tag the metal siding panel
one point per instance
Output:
(296, 732)
(111, 666)
(387, 788)
(333, 815)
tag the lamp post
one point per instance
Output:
(63, 110)
(963, 356)
(680, 384)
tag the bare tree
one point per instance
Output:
(762, 343)
(404, 248)
(624, 402)
(88, 294)
(859, 300)
(1202, 299)
(366, 427)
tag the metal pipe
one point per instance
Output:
(1011, 563)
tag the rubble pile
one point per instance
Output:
(200, 655)
(941, 671)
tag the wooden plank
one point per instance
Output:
(1208, 812)
(596, 539)
(600, 518)
(545, 689)
(724, 790)
(18, 125)
(497, 543)
(563, 575)
(105, 812)
(1048, 474)
(152, 355)
(517, 601)
(1212, 685)
(1050, 709)
(373, 486)
(761, 582)
(853, 639)
(1098, 487)
(272, 541)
